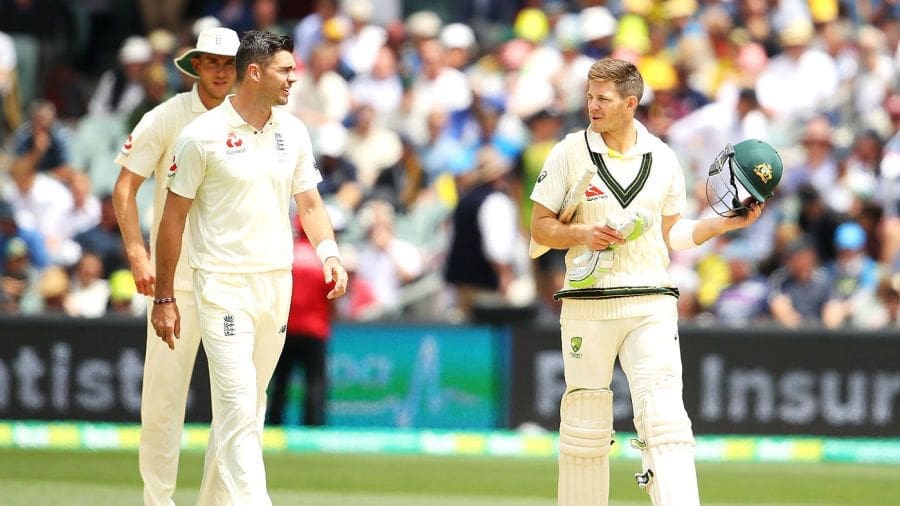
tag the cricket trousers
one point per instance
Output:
(243, 319)
(167, 376)
(648, 349)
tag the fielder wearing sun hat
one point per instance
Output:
(217, 40)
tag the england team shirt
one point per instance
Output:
(241, 181)
(149, 151)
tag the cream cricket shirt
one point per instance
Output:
(241, 181)
(150, 150)
(648, 176)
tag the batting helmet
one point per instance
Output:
(741, 174)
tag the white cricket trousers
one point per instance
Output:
(167, 376)
(647, 347)
(243, 319)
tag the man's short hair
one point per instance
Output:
(259, 47)
(623, 74)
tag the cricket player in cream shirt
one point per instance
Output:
(149, 151)
(236, 169)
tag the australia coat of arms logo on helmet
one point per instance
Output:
(764, 171)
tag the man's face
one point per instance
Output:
(606, 108)
(217, 74)
(277, 77)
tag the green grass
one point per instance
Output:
(76, 478)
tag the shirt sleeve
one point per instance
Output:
(306, 173)
(189, 167)
(144, 147)
(550, 187)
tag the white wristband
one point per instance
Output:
(681, 235)
(327, 248)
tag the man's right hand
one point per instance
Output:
(144, 276)
(166, 321)
(598, 236)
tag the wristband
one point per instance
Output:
(681, 234)
(327, 248)
(164, 300)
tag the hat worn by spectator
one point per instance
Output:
(597, 23)
(797, 33)
(849, 236)
(54, 282)
(359, 10)
(457, 36)
(423, 25)
(219, 41)
(204, 23)
(16, 248)
(135, 49)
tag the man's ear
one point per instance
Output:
(254, 72)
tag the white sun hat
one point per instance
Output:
(217, 40)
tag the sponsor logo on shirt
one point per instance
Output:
(172, 169)
(593, 193)
(541, 176)
(279, 142)
(126, 148)
(234, 144)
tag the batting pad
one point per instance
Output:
(667, 447)
(585, 436)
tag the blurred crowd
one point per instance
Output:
(430, 123)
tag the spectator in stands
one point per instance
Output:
(743, 301)
(818, 221)
(320, 94)
(371, 147)
(234, 14)
(881, 311)
(819, 166)
(156, 91)
(34, 241)
(544, 128)
(853, 274)
(43, 203)
(436, 88)
(380, 88)
(480, 262)
(306, 342)
(105, 239)
(85, 213)
(53, 287)
(19, 281)
(801, 80)
(89, 294)
(265, 17)
(798, 291)
(361, 45)
(308, 32)
(385, 261)
(121, 88)
(124, 299)
(43, 144)
(459, 45)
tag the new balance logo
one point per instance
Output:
(228, 327)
